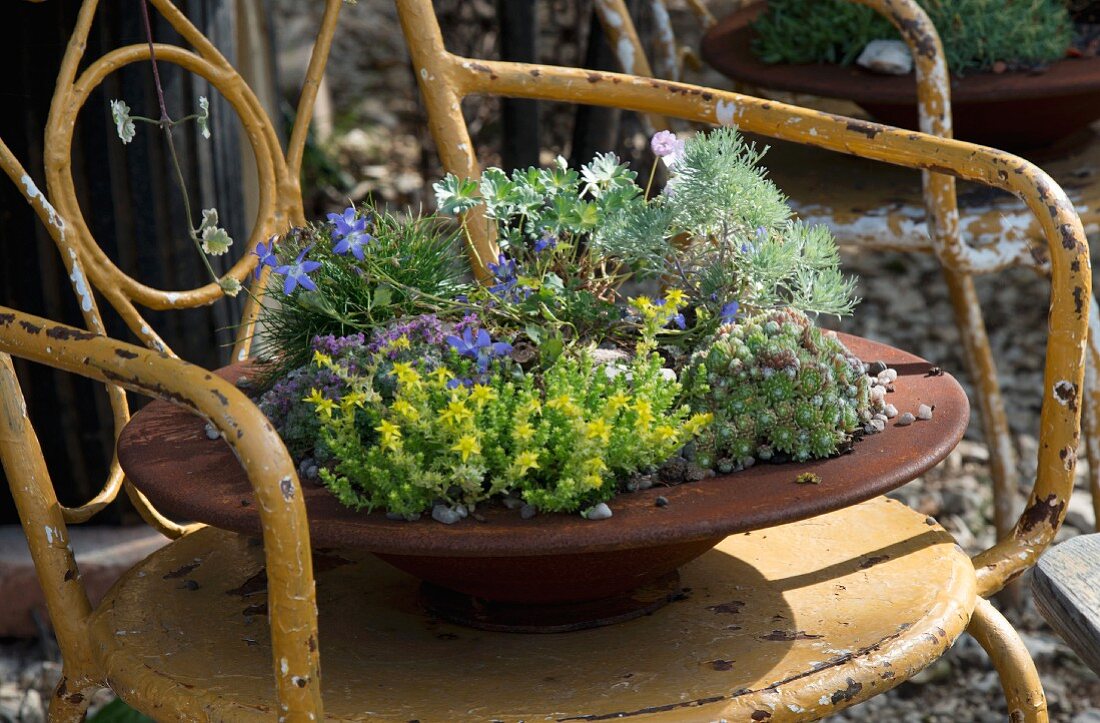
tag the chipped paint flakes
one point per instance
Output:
(284, 666)
(34, 194)
(725, 111)
(80, 283)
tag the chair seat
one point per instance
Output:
(788, 623)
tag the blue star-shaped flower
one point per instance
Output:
(350, 232)
(297, 274)
(266, 254)
(482, 347)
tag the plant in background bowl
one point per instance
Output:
(1024, 73)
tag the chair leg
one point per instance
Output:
(1022, 688)
(68, 705)
(1090, 409)
(983, 370)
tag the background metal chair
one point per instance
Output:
(884, 208)
(133, 642)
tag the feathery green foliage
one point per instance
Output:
(975, 33)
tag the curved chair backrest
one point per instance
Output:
(445, 79)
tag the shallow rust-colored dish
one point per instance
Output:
(560, 559)
(1012, 110)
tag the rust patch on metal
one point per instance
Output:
(730, 608)
(646, 711)
(846, 694)
(253, 585)
(70, 574)
(1069, 457)
(125, 354)
(868, 129)
(761, 715)
(65, 333)
(1078, 299)
(1066, 393)
(286, 486)
(1040, 512)
(31, 328)
(535, 73)
(6, 319)
(594, 77)
(721, 664)
(786, 636)
(181, 571)
(220, 396)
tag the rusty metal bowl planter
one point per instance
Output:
(1017, 110)
(558, 572)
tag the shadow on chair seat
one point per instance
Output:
(841, 603)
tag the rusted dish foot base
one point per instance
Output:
(506, 617)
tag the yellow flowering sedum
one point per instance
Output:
(564, 443)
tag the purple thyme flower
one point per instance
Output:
(482, 347)
(728, 315)
(266, 255)
(665, 144)
(350, 231)
(297, 274)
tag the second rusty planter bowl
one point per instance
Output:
(558, 572)
(1012, 110)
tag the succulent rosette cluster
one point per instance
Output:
(403, 386)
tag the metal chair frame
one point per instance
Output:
(445, 79)
(942, 234)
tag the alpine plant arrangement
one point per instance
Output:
(402, 386)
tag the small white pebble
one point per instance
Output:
(598, 512)
(889, 376)
(211, 432)
(875, 426)
(880, 416)
(890, 411)
(924, 412)
(905, 419)
(878, 394)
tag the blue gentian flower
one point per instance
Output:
(297, 273)
(482, 347)
(504, 272)
(266, 254)
(678, 320)
(547, 241)
(350, 231)
(728, 315)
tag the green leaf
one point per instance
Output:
(534, 333)
(383, 295)
(456, 195)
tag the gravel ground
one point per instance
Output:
(378, 146)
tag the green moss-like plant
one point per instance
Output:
(775, 383)
(976, 33)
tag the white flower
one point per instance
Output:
(203, 118)
(230, 286)
(120, 112)
(216, 241)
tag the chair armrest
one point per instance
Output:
(1066, 583)
(291, 600)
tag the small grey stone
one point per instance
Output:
(305, 464)
(645, 481)
(881, 415)
(446, 515)
(661, 502)
(598, 512)
(528, 511)
(395, 516)
(462, 511)
(890, 411)
(244, 383)
(924, 412)
(211, 432)
(905, 419)
(512, 503)
(877, 424)
(312, 473)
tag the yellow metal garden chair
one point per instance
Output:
(883, 208)
(182, 635)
